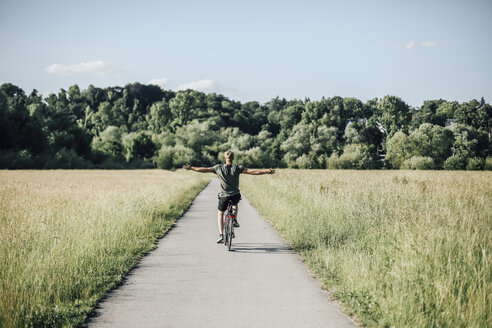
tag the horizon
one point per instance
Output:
(44, 96)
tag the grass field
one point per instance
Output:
(67, 237)
(396, 248)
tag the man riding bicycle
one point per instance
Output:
(228, 175)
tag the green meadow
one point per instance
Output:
(67, 237)
(395, 248)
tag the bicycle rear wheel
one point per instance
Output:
(226, 229)
(230, 232)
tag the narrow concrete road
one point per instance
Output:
(190, 281)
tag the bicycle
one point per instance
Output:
(228, 233)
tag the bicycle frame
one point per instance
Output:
(228, 227)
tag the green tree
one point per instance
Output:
(186, 106)
(476, 114)
(170, 157)
(468, 143)
(198, 136)
(76, 104)
(253, 157)
(399, 148)
(290, 116)
(393, 114)
(446, 110)
(432, 141)
(109, 142)
(257, 116)
(94, 96)
(354, 108)
(314, 115)
(355, 156)
(183, 155)
(275, 151)
(354, 133)
(307, 149)
(138, 145)
(13, 115)
(429, 113)
(159, 117)
(120, 112)
(297, 144)
(419, 163)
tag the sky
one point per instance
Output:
(253, 50)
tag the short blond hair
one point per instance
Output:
(229, 154)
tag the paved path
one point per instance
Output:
(190, 281)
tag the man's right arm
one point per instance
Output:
(197, 169)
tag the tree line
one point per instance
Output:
(144, 126)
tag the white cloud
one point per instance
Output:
(202, 85)
(206, 86)
(428, 44)
(98, 66)
(412, 44)
(409, 45)
(159, 81)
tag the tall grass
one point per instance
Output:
(66, 237)
(396, 248)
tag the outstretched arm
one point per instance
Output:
(197, 169)
(258, 172)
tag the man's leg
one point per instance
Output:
(220, 221)
(220, 218)
(236, 210)
(236, 200)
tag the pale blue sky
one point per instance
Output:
(253, 50)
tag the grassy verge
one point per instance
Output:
(397, 248)
(67, 237)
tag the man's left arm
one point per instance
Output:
(258, 171)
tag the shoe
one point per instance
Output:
(220, 240)
(235, 223)
(233, 235)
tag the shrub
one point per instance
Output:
(399, 148)
(355, 156)
(11, 159)
(164, 159)
(331, 162)
(432, 141)
(419, 163)
(138, 145)
(454, 162)
(141, 164)
(475, 164)
(67, 159)
(347, 161)
(304, 162)
(109, 141)
(174, 157)
(183, 155)
(469, 142)
(253, 157)
(110, 164)
(488, 164)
